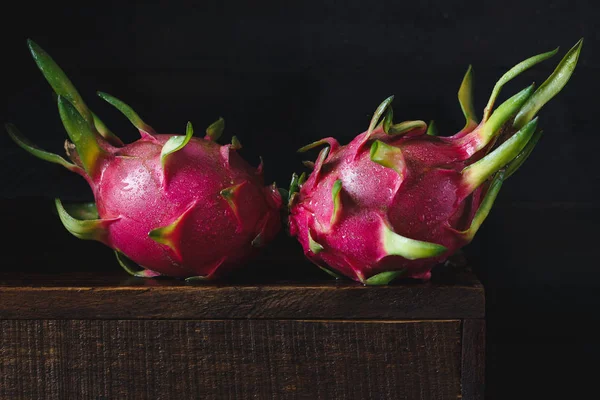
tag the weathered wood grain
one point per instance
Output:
(473, 359)
(101, 296)
(226, 359)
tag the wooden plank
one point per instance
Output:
(101, 296)
(228, 359)
(473, 359)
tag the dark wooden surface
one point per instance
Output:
(229, 360)
(117, 296)
(473, 359)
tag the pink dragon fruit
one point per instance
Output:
(398, 199)
(175, 205)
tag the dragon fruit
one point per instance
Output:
(399, 199)
(174, 205)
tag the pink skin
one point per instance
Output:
(133, 187)
(428, 203)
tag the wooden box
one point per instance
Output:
(92, 336)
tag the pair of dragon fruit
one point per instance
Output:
(396, 201)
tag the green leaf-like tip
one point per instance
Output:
(313, 245)
(302, 179)
(170, 235)
(388, 120)
(336, 196)
(383, 278)
(132, 268)
(131, 115)
(59, 80)
(331, 142)
(552, 86)
(329, 272)
(502, 114)
(82, 211)
(231, 195)
(515, 164)
(294, 186)
(235, 143)
(377, 115)
(485, 206)
(86, 229)
(405, 127)
(31, 148)
(477, 173)
(82, 136)
(215, 130)
(387, 156)
(432, 129)
(176, 143)
(465, 98)
(512, 73)
(411, 249)
(197, 279)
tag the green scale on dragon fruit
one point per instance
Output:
(399, 199)
(167, 204)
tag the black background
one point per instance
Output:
(283, 75)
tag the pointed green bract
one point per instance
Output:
(170, 235)
(432, 129)
(383, 278)
(197, 279)
(550, 87)
(336, 196)
(331, 142)
(313, 245)
(215, 130)
(513, 72)
(377, 115)
(388, 156)
(63, 87)
(294, 185)
(82, 211)
(485, 206)
(236, 144)
(329, 272)
(465, 98)
(131, 115)
(319, 163)
(476, 173)
(231, 195)
(388, 120)
(405, 127)
(207, 277)
(411, 249)
(86, 229)
(82, 136)
(302, 179)
(502, 114)
(132, 268)
(520, 159)
(176, 143)
(36, 151)
(59, 80)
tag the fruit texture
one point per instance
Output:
(399, 199)
(175, 205)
